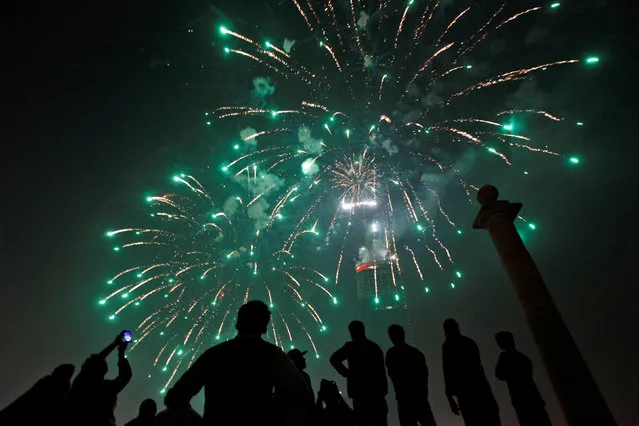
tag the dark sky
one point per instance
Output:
(95, 118)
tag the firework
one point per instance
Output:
(384, 107)
(390, 111)
(199, 262)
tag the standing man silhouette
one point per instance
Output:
(365, 376)
(467, 389)
(241, 378)
(516, 370)
(298, 359)
(409, 373)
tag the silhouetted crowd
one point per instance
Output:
(248, 381)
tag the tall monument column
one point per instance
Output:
(578, 394)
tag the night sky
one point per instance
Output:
(105, 101)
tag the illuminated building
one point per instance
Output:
(382, 300)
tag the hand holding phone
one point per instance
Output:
(126, 336)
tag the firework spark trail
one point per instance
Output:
(399, 31)
(436, 79)
(517, 15)
(473, 120)
(423, 22)
(510, 75)
(277, 49)
(219, 330)
(530, 148)
(224, 30)
(331, 12)
(314, 313)
(381, 85)
(457, 131)
(357, 39)
(441, 210)
(532, 111)
(337, 64)
(175, 370)
(301, 11)
(419, 271)
(288, 330)
(432, 252)
(321, 287)
(314, 105)
(479, 35)
(238, 111)
(310, 7)
(277, 343)
(294, 290)
(428, 62)
(310, 339)
(144, 243)
(258, 60)
(441, 37)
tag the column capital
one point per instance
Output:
(492, 208)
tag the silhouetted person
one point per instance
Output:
(146, 414)
(465, 379)
(178, 417)
(298, 359)
(240, 377)
(92, 399)
(43, 402)
(516, 370)
(331, 409)
(365, 376)
(409, 373)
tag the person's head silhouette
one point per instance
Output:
(95, 367)
(253, 318)
(297, 357)
(63, 373)
(451, 328)
(505, 340)
(148, 409)
(397, 334)
(357, 330)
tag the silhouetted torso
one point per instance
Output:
(43, 401)
(169, 417)
(335, 415)
(238, 378)
(307, 378)
(516, 370)
(93, 401)
(366, 371)
(141, 421)
(407, 370)
(463, 372)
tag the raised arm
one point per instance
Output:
(124, 370)
(114, 344)
(337, 360)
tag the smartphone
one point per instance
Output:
(126, 336)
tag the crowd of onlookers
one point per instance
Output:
(248, 381)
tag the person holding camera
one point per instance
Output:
(331, 409)
(93, 398)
